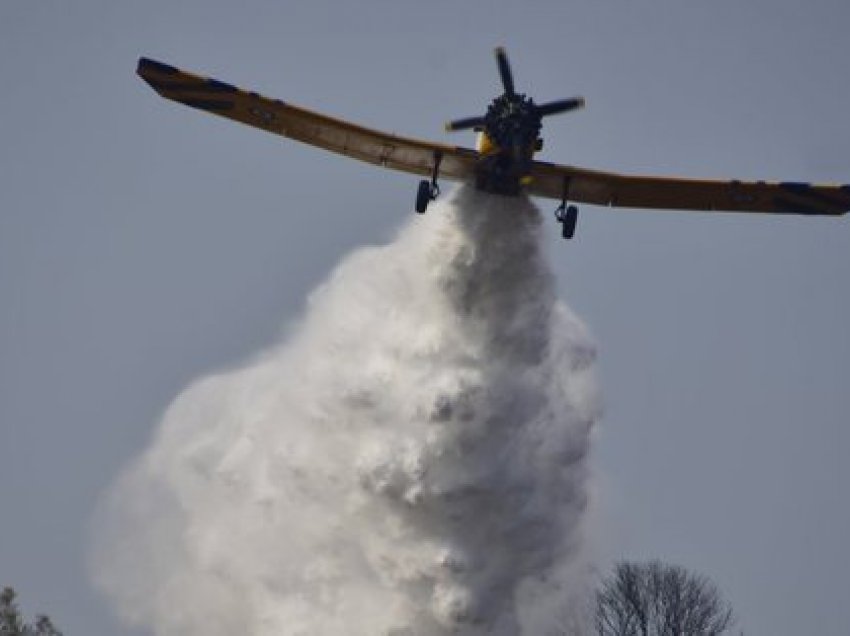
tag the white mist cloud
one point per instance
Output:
(411, 460)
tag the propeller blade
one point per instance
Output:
(560, 106)
(463, 124)
(505, 71)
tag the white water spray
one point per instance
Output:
(410, 461)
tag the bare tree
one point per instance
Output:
(655, 599)
(13, 624)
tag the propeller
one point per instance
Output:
(463, 124)
(510, 104)
(560, 106)
(505, 71)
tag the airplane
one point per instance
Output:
(503, 163)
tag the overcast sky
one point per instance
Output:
(143, 244)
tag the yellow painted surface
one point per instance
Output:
(544, 179)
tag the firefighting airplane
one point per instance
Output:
(509, 135)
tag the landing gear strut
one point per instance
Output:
(429, 190)
(566, 215)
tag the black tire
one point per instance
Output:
(569, 222)
(423, 196)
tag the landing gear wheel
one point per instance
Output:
(569, 222)
(423, 196)
(567, 216)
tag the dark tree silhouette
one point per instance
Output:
(13, 624)
(655, 599)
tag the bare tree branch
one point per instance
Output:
(12, 622)
(655, 599)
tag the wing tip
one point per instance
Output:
(147, 65)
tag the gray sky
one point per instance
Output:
(143, 244)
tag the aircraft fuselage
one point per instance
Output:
(507, 142)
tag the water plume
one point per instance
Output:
(411, 460)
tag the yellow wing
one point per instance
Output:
(273, 115)
(605, 188)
